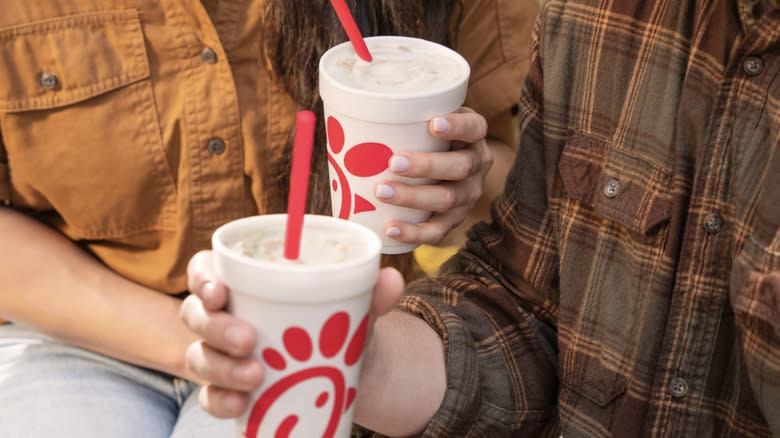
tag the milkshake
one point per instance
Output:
(399, 68)
(311, 318)
(373, 110)
(317, 247)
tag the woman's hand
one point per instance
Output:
(222, 360)
(462, 171)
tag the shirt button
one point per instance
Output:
(216, 146)
(49, 80)
(208, 55)
(678, 387)
(753, 65)
(611, 188)
(713, 223)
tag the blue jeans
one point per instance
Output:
(52, 389)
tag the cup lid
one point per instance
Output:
(385, 106)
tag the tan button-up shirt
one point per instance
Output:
(137, 128)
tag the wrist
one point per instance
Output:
(404, 356)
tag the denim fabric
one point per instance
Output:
(49, 388)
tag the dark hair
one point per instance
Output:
(297, 32)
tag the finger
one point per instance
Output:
(430, 232)
(389, 288)
(438, 198)
(450, 165)
(464, 125)
(223, 403)
(199, 270)
(219, 369)
(202, 281)
(221, 330)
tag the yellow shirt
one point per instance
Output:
(137, 128)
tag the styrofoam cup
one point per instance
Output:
(368, 120)
(310, 319)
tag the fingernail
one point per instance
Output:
(393, 232)
(245, 372)
(234, 336)
(208, 291)
(233, 403)
(440, 124)
(399, 164)
(384, 191)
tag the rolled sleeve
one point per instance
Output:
(500, 360)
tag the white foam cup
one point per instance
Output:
(373, 110)
(310, 316)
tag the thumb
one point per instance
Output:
(388, 290)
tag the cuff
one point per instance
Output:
(462, 411)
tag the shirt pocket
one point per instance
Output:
(618, 185)
(617, 203)
(80, 125)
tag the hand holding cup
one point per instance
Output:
(223, 359)
(381, 110)
(461, 171)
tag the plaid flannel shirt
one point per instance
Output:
(629, 284)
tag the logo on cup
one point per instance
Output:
(362, 160)
(316, 374)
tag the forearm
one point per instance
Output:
(49, 283)
(403, 379)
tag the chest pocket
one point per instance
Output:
(617, 185)
(615, 205)
(80, 126)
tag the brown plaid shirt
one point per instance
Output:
(630, 283)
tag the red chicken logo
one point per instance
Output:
(302, 351)
(361, 160)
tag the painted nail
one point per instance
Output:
(441, 125)
(384, 191)
(245, 372)
(399, 164)
(393, 232)
(208, 291)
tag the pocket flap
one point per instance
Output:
(87, 54)
(589, 376)
(618, 185)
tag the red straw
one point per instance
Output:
(299, 183)
(351, 28)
